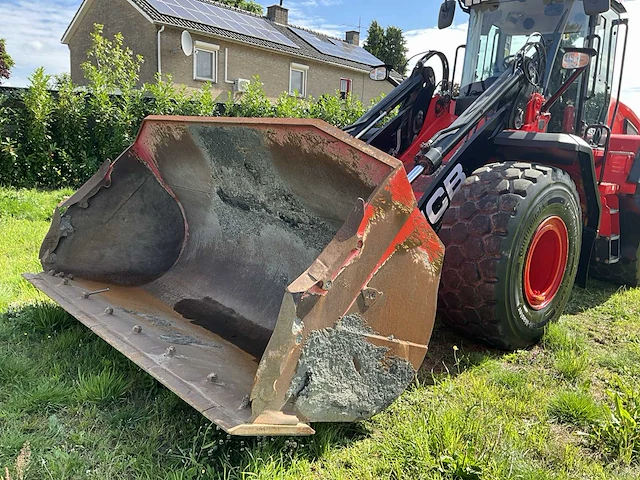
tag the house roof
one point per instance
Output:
(304, 50)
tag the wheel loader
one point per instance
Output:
(275, 273)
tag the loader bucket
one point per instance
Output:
(272, 273)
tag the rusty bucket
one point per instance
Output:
(270, 272)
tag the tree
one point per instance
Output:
(375, 40)
(6, 62)
(388, 45)
(248, 5)
(395, 49)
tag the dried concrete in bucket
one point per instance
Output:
(341, 377)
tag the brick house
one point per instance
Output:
(230, 47)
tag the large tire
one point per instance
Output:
(625, 272)
(489, 231)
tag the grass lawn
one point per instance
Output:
(72, 407)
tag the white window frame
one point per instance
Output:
(304, 69)
(209, 48)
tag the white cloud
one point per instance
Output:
(32, 31)
(322, 3)
(445, 41)
(302, 14)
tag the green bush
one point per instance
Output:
(35, 127)
(69, 130)
(56, 135)
(112, 68)
(570, 364)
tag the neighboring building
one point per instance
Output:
(230, 47)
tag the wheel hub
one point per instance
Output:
(546, 262)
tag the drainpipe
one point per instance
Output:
(160, 51)
(226, 56)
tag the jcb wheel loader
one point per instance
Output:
(275, 273)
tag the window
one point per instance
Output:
(596, 109)
(498, 30)
(629, 128)
(298, 79)
(345, 87)
(205, 62)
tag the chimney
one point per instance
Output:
(353, 37)
(278, 14)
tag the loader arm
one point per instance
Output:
(473, 131)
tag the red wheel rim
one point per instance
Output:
(546, 262)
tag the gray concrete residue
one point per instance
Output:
(341, 377)
(66, 228)
(247, 182)
(181, 339)
(157, 321)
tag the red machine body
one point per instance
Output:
(615, 179)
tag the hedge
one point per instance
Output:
(54, 134)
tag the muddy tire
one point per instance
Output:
(627, 270)
(512, 237)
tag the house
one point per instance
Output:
(230, 46)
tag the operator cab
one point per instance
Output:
(499, 29)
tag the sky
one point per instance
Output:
(33, 29)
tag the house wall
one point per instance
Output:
(116, 16)
(243, 61)
(273, 67)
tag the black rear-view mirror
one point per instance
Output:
(447, 11)
(596, 7)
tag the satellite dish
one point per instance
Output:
(187, 43)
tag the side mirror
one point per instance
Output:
(596, 7)
(577, 58)
(447, 11)
(380, 74)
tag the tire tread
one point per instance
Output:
(490, 196)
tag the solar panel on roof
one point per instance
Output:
(223, 18)
(337, 48)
